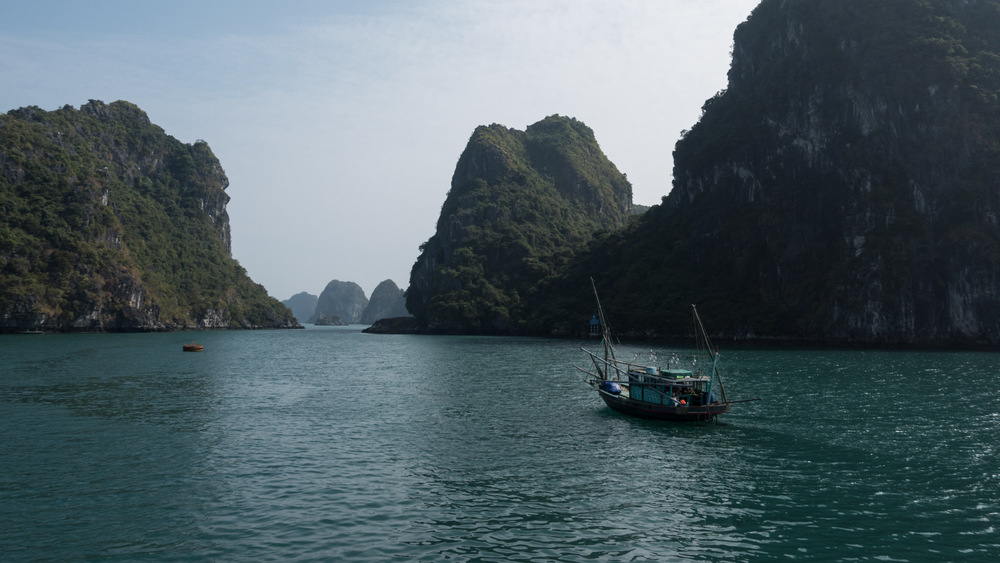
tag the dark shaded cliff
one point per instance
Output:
(521, 204)
(844, 188)
(107, 223)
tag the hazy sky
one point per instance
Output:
(339, 123)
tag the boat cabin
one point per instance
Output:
(669, 387)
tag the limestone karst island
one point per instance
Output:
(108, 223)
(843, 189)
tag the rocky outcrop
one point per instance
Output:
(844, 188)
(387, 301)
(521, 204)
(110, 224)
(329, 320)
(302, 305)
(345, 300)
(866, 156)
(396, 325)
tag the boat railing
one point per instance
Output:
(621, 368)
(648, 387)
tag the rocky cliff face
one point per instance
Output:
(302, 305)
(110, 224)
(846, 185)
(345, 300)
(387, 302)
(521, 204)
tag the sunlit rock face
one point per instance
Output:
(344, 300)
(521, 205)
(108, 223)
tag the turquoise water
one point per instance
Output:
(329, 444)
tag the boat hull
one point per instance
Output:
(683, 413)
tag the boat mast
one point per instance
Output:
(609, 351)
(702, 337)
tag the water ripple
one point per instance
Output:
(329, 444)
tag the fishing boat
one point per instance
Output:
(679, 392)
(192, 347)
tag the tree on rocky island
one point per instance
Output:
(108, 223)
(842, 189)
(521, 204)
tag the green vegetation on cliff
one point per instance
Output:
(107, 223)
(843, 188)
(521, 204)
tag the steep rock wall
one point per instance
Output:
(110, 224)
(387, 301)
(521, 204)
(848, 180)
(343, 300)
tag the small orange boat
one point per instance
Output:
(192, 347)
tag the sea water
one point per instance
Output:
(330, 444)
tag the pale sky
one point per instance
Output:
(339, 123)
